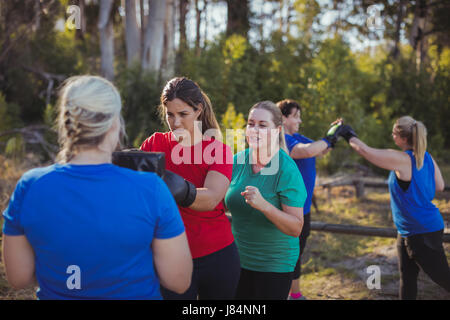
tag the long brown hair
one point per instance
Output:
(415, 133)
(188, 91)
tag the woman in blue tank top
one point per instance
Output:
(413, 181)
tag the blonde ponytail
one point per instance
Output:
(419, 142)
(416, 134)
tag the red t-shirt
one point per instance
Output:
(207, 231)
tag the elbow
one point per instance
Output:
(183, 287)
(297, 229)
(295, 234)
(440, 187)
(182, 280)
(211, 204)
(20, 283)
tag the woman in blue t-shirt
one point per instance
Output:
(84, 228)
(413, 181)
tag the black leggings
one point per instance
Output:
(422, 251)
(303, 237)
(254, 285)
(214, 277)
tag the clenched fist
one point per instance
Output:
(254, 198)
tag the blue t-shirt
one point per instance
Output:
(91, 228)
(306, 166)
(412, 210)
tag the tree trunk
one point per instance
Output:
(79, 33)
(289, 16)
(417, 36)
(37, 10)
(238, 15)
(132, 33)
(183, 7)
(142, 15)
(168, 62)
(398, 24)
(105, 26)
(205, 35)
(154, 36)
(198, 16)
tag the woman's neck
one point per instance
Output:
(286, 130)
(91, 156)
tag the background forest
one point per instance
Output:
(367, 61)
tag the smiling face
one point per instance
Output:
(292, 122)
(261, 130)
(180, 117)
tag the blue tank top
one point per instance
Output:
(412, 210)
(306, 166)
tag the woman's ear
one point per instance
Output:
(405, 141)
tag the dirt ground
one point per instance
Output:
(335, 266)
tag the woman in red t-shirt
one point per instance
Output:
(192, 152)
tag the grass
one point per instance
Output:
(335, 265)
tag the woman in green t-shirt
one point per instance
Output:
(265, 198)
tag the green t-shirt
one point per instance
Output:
(262, 246)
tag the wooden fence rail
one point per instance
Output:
(357, 230)
(360, 230)
(360, 183)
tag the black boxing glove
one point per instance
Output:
(182, 190)
(333, 134)
(347, 132)
(139, 160)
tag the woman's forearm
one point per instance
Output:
(313, 149)
(384, 158)
(360, 147)
(205, 200)
(286, 223)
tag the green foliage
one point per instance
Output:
(15, 147)
(140, 95)
(9, 115)
(50, 119)
(232, 126)
(50, 115)
(368, 89)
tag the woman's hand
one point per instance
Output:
(254, 198)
